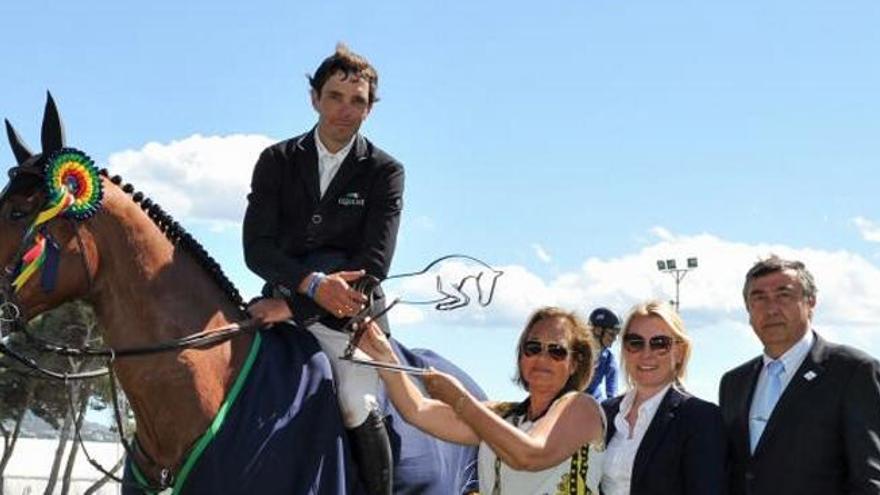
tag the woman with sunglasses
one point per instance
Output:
(540, 445)
(660, 439)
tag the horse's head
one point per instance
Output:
(40, 231)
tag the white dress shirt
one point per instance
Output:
(328, 163)
(791, 361)
(620, 455)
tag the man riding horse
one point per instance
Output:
(330, 201)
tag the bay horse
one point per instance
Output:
(252, 414)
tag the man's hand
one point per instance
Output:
(335, 295)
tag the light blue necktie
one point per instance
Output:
(772, 391)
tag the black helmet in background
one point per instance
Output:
(604, 318)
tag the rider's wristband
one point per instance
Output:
(316, 280)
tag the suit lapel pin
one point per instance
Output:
(810, 375)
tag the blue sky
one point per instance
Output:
(569, 143)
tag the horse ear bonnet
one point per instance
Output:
(53, 131)
(26, 161)
(19, 149)
(30, 166)
(52, 138)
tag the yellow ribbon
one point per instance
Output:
(65, 201)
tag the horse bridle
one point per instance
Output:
(12, 318)
(10, 313)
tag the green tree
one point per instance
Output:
(16, 391)
(21, 390)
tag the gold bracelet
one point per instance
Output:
(459, 404)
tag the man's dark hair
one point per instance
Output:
(775, 264)
(349, 64)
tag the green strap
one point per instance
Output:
(139, 477)
(202, 443)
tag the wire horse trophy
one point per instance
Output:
(466, 272)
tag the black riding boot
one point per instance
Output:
(372, 452)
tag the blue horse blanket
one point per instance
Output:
(283, 434)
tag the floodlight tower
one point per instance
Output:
(669, 266)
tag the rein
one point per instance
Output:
(205, 338)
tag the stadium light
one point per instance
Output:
(669, 266)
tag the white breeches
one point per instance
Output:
(356, 386)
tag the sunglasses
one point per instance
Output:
(556, 352)
(661, 344)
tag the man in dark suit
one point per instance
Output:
(804, 418)
(323, 211)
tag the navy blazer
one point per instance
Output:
(683, 450)
(290, 230)
(823, 436)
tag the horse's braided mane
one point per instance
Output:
(179, 237)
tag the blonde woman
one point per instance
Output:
(660, 439)
(539, 445)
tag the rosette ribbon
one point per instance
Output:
(74, 190)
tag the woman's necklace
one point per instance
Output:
(535, 417)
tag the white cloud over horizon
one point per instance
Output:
(711, 294)
(201, 179)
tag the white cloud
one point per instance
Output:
(710, 294)
(541, 253)
(662, 233)
(199, 178)
(870, 231)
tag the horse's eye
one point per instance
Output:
(16, 214)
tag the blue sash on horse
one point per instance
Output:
(422, 464)
(283, 433)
